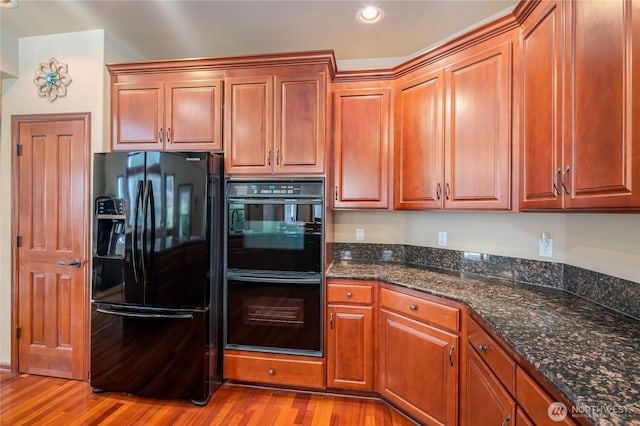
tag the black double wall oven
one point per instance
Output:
(274, 266)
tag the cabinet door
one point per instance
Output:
(361, 138)
(487, 401)
(300, 124)
(419, 142)
(478, 129)
(137, 111)
(602, 141)
(350, 347)
(419, 369)
(193, 115)
(248, 134)
(541, 124)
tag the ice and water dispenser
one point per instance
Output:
(110, 215)
(109, 247)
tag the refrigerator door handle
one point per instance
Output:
(145, 212)
(152, 248)
(136, 212)
(144, 314)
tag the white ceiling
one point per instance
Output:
(168, 29)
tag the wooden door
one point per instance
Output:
(350, 347)
(419, 141)
(361, 144)
(51, 208)
(602, 141)
(137, 116)
(478, 128)
(541, 119)
(300, 124)
(193, 115)
(419, 369)
(248, 130)
(487, 401)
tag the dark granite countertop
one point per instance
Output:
(589, 353)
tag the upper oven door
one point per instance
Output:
(274, 234)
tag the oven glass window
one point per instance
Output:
(282, 316)
(276, 237)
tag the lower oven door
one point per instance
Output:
(274, 316)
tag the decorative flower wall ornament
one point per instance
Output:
(52, 79)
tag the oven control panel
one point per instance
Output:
(275, 189)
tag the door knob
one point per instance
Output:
(75, 263)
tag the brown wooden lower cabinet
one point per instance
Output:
(274, 369)
(418, 363)
(487, 401)
(535, 401)
(350, 334)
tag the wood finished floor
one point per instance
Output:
(37, 400)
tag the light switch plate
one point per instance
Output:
(442, 239)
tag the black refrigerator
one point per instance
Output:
(156, 278)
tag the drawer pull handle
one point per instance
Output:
(349, 294)
(271, 371)
(482, 348)
(451, 355)
(413, 307)
(506, 420)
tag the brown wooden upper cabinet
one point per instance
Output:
(361, 145)
(580, 145)
(419, 139)
(453, 131)
(152, 114)
(275, 124)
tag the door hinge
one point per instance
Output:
(18, 332)
(18, 242)
(18, 150)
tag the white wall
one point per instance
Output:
(83, 52)
(8, 55)
(606, 243)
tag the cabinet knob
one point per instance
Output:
(482, 348)
(413, 307)
(349, 294)
(271, 371)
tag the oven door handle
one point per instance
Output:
(279, 280)
(275, 201)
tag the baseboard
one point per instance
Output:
(5, 368)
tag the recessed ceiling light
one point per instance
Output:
(370, 15)
(8, 3)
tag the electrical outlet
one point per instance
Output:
(359, 234)
(442, 239)
(545, 245)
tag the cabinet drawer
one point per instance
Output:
(496, 358)
(345, 293)
(535, 401)
(421, 309)
(304, 372)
